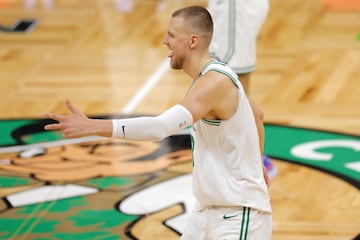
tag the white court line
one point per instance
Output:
(145, 89)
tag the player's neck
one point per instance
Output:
(194, 66)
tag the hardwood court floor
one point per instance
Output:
(99, 53)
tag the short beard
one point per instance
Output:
(177, 64)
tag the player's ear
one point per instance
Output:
(194, 40)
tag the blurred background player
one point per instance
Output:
(237, 24)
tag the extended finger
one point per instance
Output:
(55, 126)
(71, 107)
(54, 116)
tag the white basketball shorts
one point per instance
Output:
(223, 223)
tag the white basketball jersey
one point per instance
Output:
(227, 167)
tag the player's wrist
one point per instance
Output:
(101, 127)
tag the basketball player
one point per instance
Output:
(228, 183)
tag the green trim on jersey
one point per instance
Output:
(211, 122)
(231, 43)
(228, 75)
(211, 66)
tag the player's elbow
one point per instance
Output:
(158, 136)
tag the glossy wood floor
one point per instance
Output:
(100, 53)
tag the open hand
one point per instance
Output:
(73, 125)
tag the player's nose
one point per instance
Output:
(165, 40)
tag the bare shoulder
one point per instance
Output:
(215, 81)
(212, 96)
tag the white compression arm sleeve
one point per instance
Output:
(153, 128)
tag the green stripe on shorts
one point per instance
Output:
(245, 223)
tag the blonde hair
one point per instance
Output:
(198, 19)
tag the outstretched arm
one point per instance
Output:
(77, 124)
